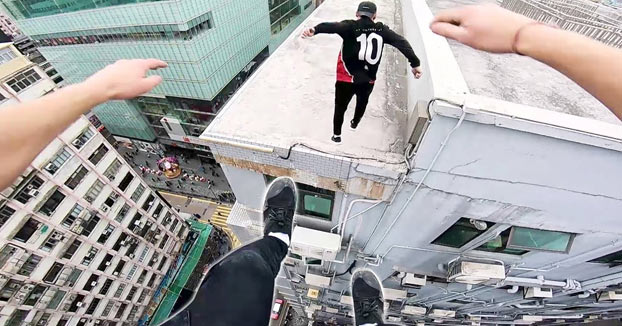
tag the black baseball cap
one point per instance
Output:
(367, 8)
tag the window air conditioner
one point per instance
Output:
(440, 313)
(108, 263)
(33, 193)
(94, 283)
(77, 142)
(132, 256)
(50, 167)
(79, 304)
(411, 280)
(470, 272)
(414, 310)
(395, 295)
(610, 296)
(315, 244)
(317, 280)
(346, 299)
(115, 274)
(105, 208)
(535, 292)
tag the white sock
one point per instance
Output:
(281, 236)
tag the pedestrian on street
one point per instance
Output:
(146, 163)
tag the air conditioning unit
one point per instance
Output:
(411, 280)
(346, 299)
(58, 236)
(394, 319)
(414, 310)
(317, 280)
(535, 292)
(123, 243)
(33, 193)
(79, 304)
(132, 256)
(440, 313)
(157, 237)
(470, 272)
(105, 208)
(108, 263)
(115, 274)
(610, 296)
(82, 214)
(50, 167)
(315, 244)
(77, 142)
(94, 283)
(395, 295)
(331, 310)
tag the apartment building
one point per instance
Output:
(83, 239)
(7, 25)
(472, 205)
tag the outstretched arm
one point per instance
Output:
(400, 43)
(594, 66)
(26, 128)
(327, 28)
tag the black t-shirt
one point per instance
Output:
(363, 44)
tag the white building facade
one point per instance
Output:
(83, 239)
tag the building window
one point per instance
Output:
(120, 311)
(5, 213)
(105, 287)
(56, 299)
(6, 253)
(143, 295)
(105, 263)
(23, 80)
(113, 169)
(11, 287)
(88, 258)
(147, 204)
(44, 320)
(130, 295)
(131, 273)
(89, 225)
(27, 230)
(99, 153)
(53, 239)
(7, 55)
(91, 282)
(167, 219)
(29, 265)
(76, 303)
(119, 290)
(613, 259)
(105, 234)
(53, 273)
(110, 201)
(17, 317)
(151, 280)
(49, 207)
(174, 225)
(120, 242)
(91, 309)
(73, 277)
(84, 137)
(77, 177)
(34, 295)
(58, 160)
(29, 191)
(63, 321)
(500, 245)
(138, 192)
(461, 233)
(126, 181)
(162, 263)
(71, 250)
(72, 216)
(94, 191)
(142, 277)
(108, 308)
(119, 267)
(313, 201)
(544, 240)
(122, 213)
(164, 241)
(157, 211)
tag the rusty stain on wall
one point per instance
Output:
(357, 186)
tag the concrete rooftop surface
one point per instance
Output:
(521, 79)
(290, 99)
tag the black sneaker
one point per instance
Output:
(353, 125)
(367, 296)
(336, 139)
(279, 206)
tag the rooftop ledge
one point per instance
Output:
(289, 100)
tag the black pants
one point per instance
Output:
(238, 290)
(343, 95)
